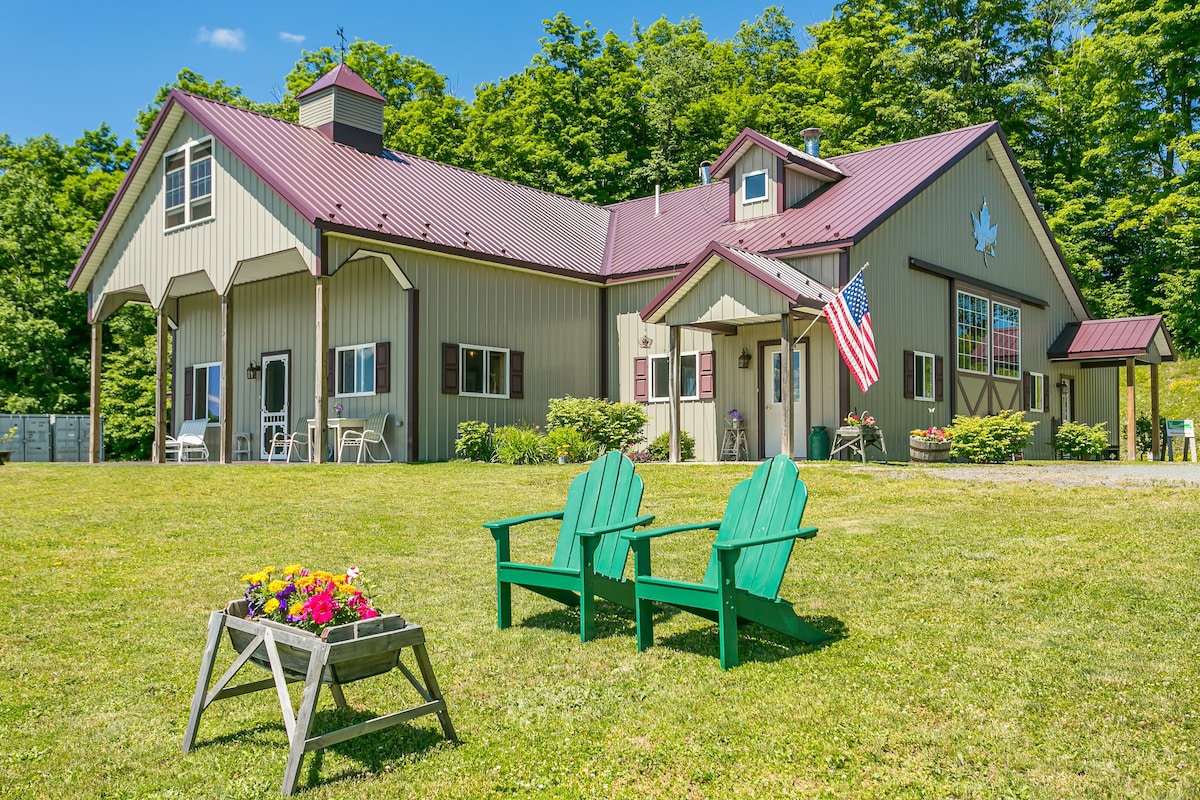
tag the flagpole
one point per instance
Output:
(800, 338)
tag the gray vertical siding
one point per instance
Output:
(799, 186)
(361, 112)
(317, 109)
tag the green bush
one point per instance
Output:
(1081, 441)
(990, 440)
(570, 443)
(660, 448)
(614, 426)
(474, 441)
(519, 444)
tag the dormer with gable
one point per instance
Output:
(767, 177)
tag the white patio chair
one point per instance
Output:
(285, 443)
(189, 444)
(372, 434)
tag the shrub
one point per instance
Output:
(640, 456)
(1081, 441)
(660, 448)
(474, 441)
(519, 444)
(570, 443)
(614, 426)
(990, 440)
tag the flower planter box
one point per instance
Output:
(928, 452)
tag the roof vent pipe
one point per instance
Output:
(812, 141)
(705, 173)
(657, 207)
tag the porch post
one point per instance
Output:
(321, 412)
(161, 341)
(95, 434)
(673, 365)
(1130, 413)
(226, 378)
(1155, 444)
(785, 388)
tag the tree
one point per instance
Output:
(193, 82)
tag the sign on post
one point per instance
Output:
(1181, 429)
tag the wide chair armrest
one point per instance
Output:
(654, 533)
(644, 519)
(503, 524)
(782, 536)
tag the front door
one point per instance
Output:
(275, 389)
(773, 404)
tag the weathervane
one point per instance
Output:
(341, 34)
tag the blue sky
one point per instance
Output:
(73, 65)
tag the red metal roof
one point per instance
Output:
(1112, 338)
(791, 155)
(344, 78)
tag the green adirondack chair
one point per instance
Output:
(590, 556)
(753, 544)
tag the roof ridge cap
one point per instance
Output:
(977, 126)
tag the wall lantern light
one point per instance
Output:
(744, 359)
(1062, 386)
(253, 371)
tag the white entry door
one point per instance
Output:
(275, 405)
(773, 404)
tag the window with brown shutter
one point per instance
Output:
(331, 383)
(383, 367)
(910, 375)
(939, 377)
(189, 392)
(449, 368)
(708, 384)
(516, 374)
(641, 379)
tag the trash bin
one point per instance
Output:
(818, 443)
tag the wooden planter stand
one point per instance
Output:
(342, 654)
(856, 439)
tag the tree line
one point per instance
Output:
(1100, 100)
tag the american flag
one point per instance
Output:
(850, 321)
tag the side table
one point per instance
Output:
(734, 446)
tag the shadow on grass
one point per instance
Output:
(611, 619)
(756, 643)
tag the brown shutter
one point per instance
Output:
(939, 377)
(331, 383)
(189, 392)
(910, 375)
(383, 367)
(1046, 393)
(706, 369)
(516, 374)
(641, 379)
(1027, 380)
(449, 368)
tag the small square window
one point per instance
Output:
(355, 370)
(754, 186)
(1037, 391)
(925, 374)
(660, 377)
(484, 371)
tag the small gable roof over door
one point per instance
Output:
(1144, 338)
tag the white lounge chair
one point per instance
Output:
(284, 443)
(189, 444)
(373, 433)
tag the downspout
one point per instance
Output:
(413, 354)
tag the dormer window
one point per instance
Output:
(187, 184)
(754, 187)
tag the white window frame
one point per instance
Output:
(987, 333)
(992, 336)
(1037, 392)
(666, 358)
(337, 357)
(746, 198)
(919, 376)
(462, 367)
(188, 200)
(203, 400)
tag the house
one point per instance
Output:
(345, 274)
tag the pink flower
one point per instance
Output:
(319, 608)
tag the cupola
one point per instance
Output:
(345, 108)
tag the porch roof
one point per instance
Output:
(1144, 338)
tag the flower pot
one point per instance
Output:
(562, 459)
(928, 452)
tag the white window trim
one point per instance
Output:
(462, 364)
(992, 340)
(987, 369)
(667, 357)
(220, 411)
(336, 357)
(766, 188)
(186, 149)
(1036, 398)
(917, 355)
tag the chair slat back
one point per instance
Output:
(769, 501)
(301, 426)
(193, 427)
(377, 424)
(608, 492)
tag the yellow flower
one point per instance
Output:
(271, 606)
(275, 586)
(296, 608)
(247, 578)
(305, 582)
(294, 569)
(346, 588)
(323, 576)
(339, 579)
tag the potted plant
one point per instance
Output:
(859, 424)
(735, 418)
(929, 445)
(6, 441)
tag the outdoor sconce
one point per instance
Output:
(253, 371)
(1062, 386)
(744, 359)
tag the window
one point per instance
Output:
(354, 369)
(206, 392)
(1006, 341)
(925, 372)
(972, 333)
(187, 185)
(1037, 391)
(484, 371)
(754, 186)
(988, 342)
(660, 377)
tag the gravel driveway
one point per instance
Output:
(1114, 474)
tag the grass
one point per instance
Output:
(1178, 393)
(991, 640)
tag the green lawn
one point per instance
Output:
(990, 640)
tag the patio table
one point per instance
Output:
(339, 426)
